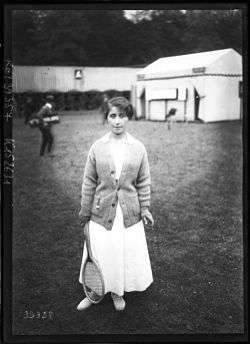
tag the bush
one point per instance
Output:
(72, 100)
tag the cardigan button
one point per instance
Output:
(113, 204)
(109, 221)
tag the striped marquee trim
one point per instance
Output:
(142, 77)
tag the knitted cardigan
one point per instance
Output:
(101, 192)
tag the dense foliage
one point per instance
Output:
(108, 38)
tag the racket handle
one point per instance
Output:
(86, 230)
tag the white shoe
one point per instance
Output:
(118, 301)
(84, 304)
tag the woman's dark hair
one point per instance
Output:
(122, 104)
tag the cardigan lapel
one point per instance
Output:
(111, 163)
(127, 153)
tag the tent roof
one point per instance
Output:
(183, 64)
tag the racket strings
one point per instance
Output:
(93, 279)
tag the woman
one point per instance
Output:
(115, 201)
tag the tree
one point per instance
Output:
(62, 38)
(210, 30)
(108, 38)
(24, 36)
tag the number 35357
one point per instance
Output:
(39, 315)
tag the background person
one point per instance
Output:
(28, 109)
(45, 128)
(115, 201)
(169, 117)
(104, 108)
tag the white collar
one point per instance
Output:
(106, 138)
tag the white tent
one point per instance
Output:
(204, 86)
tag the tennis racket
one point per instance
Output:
(53, 119)
(93, 282)
(34, 123)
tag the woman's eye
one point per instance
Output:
(113, 115)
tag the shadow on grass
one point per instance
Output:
(195, 249)
(46, 242)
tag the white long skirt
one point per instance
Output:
(122, 255)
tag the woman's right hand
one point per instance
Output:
(83, 220)
(83, 227)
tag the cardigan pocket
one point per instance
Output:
(97, 209)
(101, 205)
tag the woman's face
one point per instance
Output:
(117, 120)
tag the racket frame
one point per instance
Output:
(88, 259)
(34, 122)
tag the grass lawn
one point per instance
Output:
(196, 247)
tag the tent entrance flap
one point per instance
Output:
(160, 94)
(143, 103)
(196, 104)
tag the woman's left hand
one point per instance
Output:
(147, 218)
